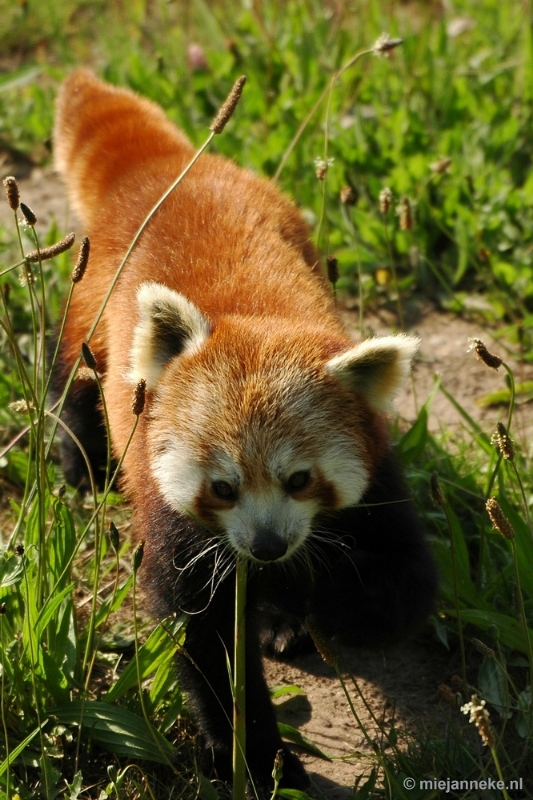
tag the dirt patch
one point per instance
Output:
(396, 686)
(399, 683)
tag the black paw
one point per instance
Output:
(284, 639)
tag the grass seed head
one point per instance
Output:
(138, 397)
(437, 495)
(114, 536)
(385, 200)
(19, 407)
(480, 717)
(489, 359)
(321, 166)
(322, 644)
(405, 214)
(196, 58)
(384, 44)
(498, 518)
(440, 166)
(277, 772)
(85, 374)
(482, 648)
(88, 356)
(347, 196)
(54, 250)
(138, 556)
(333, 269)
(83, 258)
(228, 107)
(29, 216)
(445, 694)
(12, 192)
(504, 442)
(26, 276)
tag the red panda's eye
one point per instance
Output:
(223, 490)
(298, 480)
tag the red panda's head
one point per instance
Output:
(257, 425)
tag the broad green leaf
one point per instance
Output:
(61, 543)
(523, 543)
(116, 729)
(112, 603)
(293, 735)
(158, 649)
(16, 751)
(49, 610)
(413, 442)
(494, 686)
(509, 629)
(279, 691)
(11, 570)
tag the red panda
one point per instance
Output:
(264, 433)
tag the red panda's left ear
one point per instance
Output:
(168, 325)
(376, 367)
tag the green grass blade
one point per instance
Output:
(158, 649)
(117, 729)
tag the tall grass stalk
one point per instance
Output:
(378, 48)
(439, 499)
(239, 682)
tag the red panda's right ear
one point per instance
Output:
(168, 325)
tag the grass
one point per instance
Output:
(445, 123)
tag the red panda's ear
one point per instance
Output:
(376, 367)
(168, 325)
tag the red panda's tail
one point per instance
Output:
(102, 133)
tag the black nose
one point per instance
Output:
(268, 546)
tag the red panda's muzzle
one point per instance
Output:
(267, 546)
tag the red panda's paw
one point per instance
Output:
(285, 638)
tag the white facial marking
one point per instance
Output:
(178, 475)
(343, 467)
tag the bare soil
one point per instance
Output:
(398, 684)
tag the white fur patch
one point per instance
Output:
(178, 475)
(150, 350)
(345, 470)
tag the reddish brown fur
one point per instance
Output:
(225, 238)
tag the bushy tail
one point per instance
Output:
(102, 134)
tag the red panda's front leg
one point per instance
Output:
(376, 581)
(178, 576)
(204, 676)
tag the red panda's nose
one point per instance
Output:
(268, 546)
